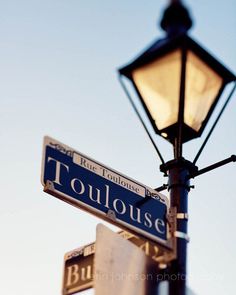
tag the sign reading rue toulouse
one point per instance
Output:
(89, 185)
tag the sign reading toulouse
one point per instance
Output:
(89, 185)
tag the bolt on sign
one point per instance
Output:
(79, 263)
(104, 192)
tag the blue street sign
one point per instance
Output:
(104, 192)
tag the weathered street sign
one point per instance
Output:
(120, 267)
(78, 270)
(89, 185)
(79, 263)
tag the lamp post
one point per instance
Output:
(179, 85)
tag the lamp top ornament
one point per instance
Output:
(176, 19)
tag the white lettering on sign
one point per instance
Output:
(58, 169)
(75, 187)
(75, 273)
(102, 197)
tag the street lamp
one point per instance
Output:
(177, 81)
(179, 85)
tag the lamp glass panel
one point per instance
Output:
(158, 83)
(201, 89)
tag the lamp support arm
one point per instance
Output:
(214, 166)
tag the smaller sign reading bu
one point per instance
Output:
(79, 263)
(89, 185)
(78, 269)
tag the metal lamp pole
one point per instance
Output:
(179, 171)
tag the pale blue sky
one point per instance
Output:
(58, 77)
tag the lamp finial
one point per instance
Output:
(176, 19)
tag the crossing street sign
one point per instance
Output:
(120, 267)
(78, 270)
(104, 192)
(79, 263)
